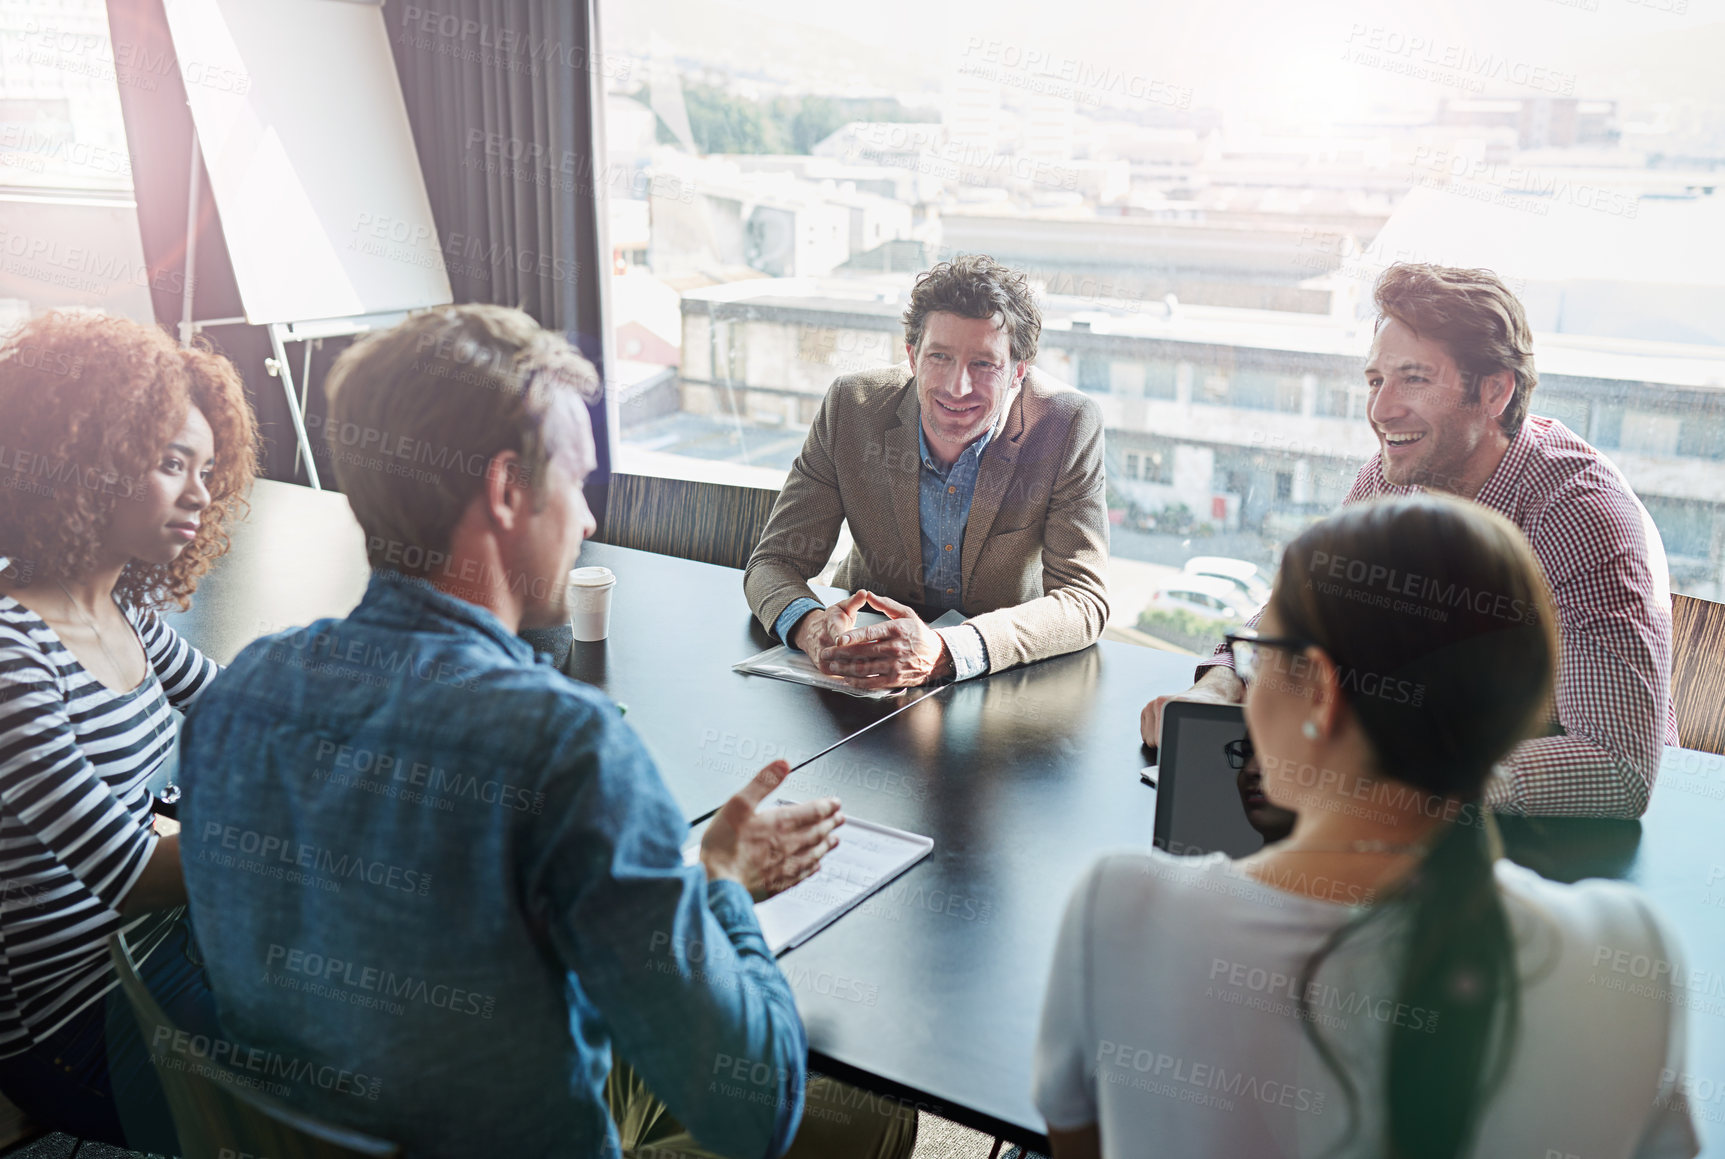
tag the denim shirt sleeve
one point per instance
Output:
(677, 967)
(800, 607)
(969, 650)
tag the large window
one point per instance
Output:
(68, 226)
(1204, 194)
(60, 124)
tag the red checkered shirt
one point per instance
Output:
(1614, 668)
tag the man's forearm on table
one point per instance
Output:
(1223, 655)
(785, 627)
(774, 581)
(1050, 625)
(969, 651)
(1557, 776)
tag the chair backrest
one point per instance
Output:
(216, 1115)
(709, 522)
(15, 1127)
(1698, 672)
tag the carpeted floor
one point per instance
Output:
(60, 1147)
(938, 1139)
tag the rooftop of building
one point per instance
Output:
(884, 298)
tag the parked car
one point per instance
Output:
(1246, 578)
(1203, 595)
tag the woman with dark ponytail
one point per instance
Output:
(1379, 983)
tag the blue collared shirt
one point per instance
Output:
(944, 496)
(437, 883)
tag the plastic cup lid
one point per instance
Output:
(592, 576)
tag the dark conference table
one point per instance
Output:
(676, 629)
(931, 991)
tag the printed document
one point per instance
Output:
(867, 857)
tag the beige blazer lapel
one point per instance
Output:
(903, 460)
(993, 478)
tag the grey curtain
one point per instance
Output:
(500, 97)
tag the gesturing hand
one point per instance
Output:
(767, 851)
(900, 653)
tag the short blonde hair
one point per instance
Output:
(417, 413)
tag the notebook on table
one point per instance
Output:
(786, 663)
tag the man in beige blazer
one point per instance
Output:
(969, 480)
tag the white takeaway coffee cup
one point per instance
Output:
(590, 602)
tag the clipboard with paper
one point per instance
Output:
(867, 858)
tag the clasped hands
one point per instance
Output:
(900, 653)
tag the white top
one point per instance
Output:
(1171, 1018)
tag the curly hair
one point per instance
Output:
(977, 286)
(87, 402)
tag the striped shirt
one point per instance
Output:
(75, 813)
(1599, 551)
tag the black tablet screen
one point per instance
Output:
(1199, 807)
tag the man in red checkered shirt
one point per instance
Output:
(1450, 372)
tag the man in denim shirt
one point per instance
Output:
(435, 882)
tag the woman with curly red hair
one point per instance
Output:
(121, 457)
